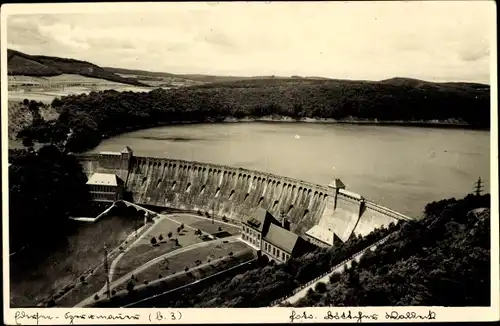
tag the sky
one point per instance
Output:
(435, 41)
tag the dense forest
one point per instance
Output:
(44, 187)
(441, 260)
(97, 115)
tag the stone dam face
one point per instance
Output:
(236, 193)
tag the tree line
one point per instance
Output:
(97, 115)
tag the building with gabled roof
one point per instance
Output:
(266, 234)
(105, 187)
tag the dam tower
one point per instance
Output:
(336, 185)
(125, 162)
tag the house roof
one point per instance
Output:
(322, 234)
(104, 179)
(258, 219)
(281, 238)
(336, 183)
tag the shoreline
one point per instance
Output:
(285, 119)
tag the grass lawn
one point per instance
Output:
(175, 281)
(178, 263)
(144, 251)
(206, 225)
(30, 284)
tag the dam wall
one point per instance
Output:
(237, 192)
(224, 191)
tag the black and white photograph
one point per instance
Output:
(280, 155)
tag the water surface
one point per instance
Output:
(403, 168)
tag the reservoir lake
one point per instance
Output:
(402, 168)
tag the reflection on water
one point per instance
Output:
(400, 167)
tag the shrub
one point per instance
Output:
(220, 229)
(113, 292)
(230, 253)
(186, 269)
(96, 297)
(159, 276)
(130, 286)
(27, 142)
(146, 282)
(153, 241)
(82, 278)
(169, 235)
(320, 287)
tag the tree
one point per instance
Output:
(153, 241)
(130, 286)
(169, 235)
(179, 230)
(182, 226)
(320, 287)
(160, 237)
(176, 242)
(28, 142)
(220, 228)
(186, 269)
(230, 253)
(96, 297)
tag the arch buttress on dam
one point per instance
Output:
(237, 192)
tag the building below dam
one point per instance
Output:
(322, 214)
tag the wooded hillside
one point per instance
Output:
(101, 114)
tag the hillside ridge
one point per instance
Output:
(20, 63)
